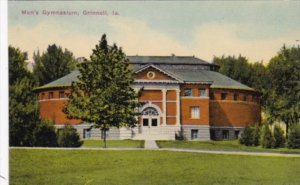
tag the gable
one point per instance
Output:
(152, 73)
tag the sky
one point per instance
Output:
(255, 29)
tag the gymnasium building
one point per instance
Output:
(184, 97)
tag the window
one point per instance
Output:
(245, 98)
(154, 122)
(235, 97)
(211, 96)
(202, 92)
(223, 96)
(212, 134)
(145, 122)
(195, 112)
(194, 134)
(236, 134)
(86, 133)
(188, 92)
(42, 96)
(61, 94)
(225, 134)
(50, 95)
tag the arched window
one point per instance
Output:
(150, 111)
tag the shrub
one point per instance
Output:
(278, 137)
(68, 137)
(247, 136)
(267, 139)
(256, 135)
(294, 137)
(44, 134)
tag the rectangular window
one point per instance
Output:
(225, 134)
(223, 96)
(195, 112)
(61, 94)
(86, 133)
(188, 92)
(50, 95)
(146, 122)
(235, 97)
(236, 134)
(194, 134)
(211, 96)
(202, 92)
(42, 96)
(245, 98)
(154, 122)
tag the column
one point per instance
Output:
(164, 105)
(178, 107)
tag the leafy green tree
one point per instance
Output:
(236, 68)
(44, 134)
(267, 139)
(103, 95)
(53, 64)
(278, 136)
(283, 94)
(68, 137)
(23, 110)
(293, 140)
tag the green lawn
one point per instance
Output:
(114, 143)
(145, 167)
(220, 145)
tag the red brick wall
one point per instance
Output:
(230, 112)
(186, 105)
(52, 108)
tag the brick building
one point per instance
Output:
(183, 96)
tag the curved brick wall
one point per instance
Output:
(240, 111)
(51, 108)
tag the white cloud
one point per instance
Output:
(137, 37)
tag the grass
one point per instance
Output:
(114, 143)
(220, 145)
(146, 167)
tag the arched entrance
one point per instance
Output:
(150, 118)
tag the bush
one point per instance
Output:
(279, 137)
(44, 134)
(256, 135)
(294, 137)
(247, 136)
(68, 137)
(267, 139)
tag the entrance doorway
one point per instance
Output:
(150, 121)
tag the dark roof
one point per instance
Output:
(218, 80)
(166, 60)
(186, 75)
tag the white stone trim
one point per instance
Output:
(178, 107)
(149, 104)
(164, 105)
(195, 97)
(157, 68)
(54, 99)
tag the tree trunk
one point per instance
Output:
(104, 137)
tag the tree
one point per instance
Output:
(103, 95)
(267, 139)
(278, 136)
(235, 68)
(247, 136)
(23, 110)
(283, 95)
(68, 137)
(293, 140)
(53, 64)
(44, 134)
